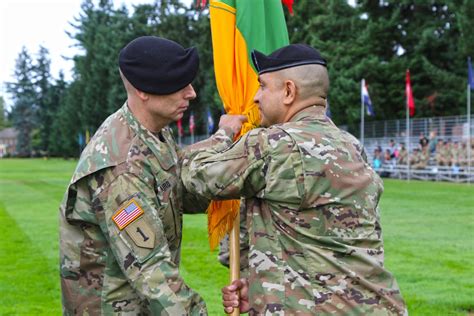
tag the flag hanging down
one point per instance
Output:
(470, 75)
(192, 125)
(328, 108)
(409, 94)
(180, 128)
(210, 122)
(366, 99)
(238, 27)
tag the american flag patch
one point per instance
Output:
(128, 214)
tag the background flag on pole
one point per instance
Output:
(409, 94)
(180, 128)
(470, 75)
(210, 122)
(80, 140)
(88, 136)
(192, 125)
(289, 4)
(366, 99)
(238, 27)
(328, 108)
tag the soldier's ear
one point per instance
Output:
(142, 95)
(290, 92)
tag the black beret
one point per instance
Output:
(158, 66)
(286, 57)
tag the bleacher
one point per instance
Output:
(454, 129)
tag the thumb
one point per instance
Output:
(243, 118)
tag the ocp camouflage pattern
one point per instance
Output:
(312, 211)
(103, 271)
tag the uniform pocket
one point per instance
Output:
(168, 211)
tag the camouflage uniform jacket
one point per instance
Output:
(312, 211)
(114, 264)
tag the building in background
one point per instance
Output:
(8, 137)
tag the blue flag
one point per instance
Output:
(470, 76)
(366, 99)
(328, 109)
(80, 139)
(210, 122)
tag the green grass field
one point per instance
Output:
(428, 232)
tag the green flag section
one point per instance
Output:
(238, 27)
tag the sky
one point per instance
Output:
(31, 23)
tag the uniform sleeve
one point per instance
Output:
(194, 203)
(223, 170)
(135, 231)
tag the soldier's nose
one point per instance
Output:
(190, 94)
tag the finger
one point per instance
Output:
(233, 303)
(230, 297)
(244, 289)
(228, 310)
(229, 289)
(243, 118)
(237, 284)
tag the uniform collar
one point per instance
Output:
(313, 112)
(164, 151)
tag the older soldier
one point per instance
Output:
(311, 199)
(121, 217)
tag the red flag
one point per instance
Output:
(180, 128)
(409, 94)
(289, 4)
(191, 123)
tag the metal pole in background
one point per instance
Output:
(469, 132)
(408, 140)
(362, 113)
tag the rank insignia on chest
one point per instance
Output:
(126, 215)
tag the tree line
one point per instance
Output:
(375, 40)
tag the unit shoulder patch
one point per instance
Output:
(141, 233)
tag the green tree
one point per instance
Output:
(3, 115)
(43, 86)
(62, 120)
(424, 37)
(24, 107)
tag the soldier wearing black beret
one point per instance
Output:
(121, 217)
(310, 198)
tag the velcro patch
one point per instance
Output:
(126, 215)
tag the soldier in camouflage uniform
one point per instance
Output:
(121, 216)
(456, 154)
(311, 199)
(446, 153)
(439, 153)
(421, 158)
(402, 155)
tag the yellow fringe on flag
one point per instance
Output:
(221, 215)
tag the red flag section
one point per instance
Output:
(409, 94)
(289, 5)
(180, 128)
(192, 125)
